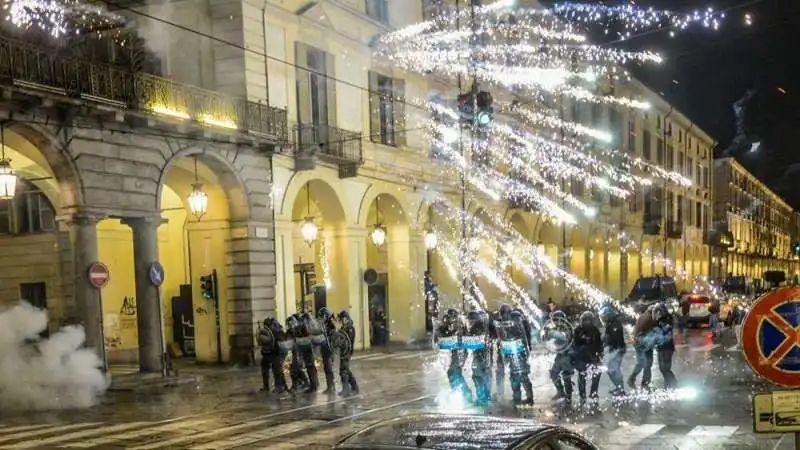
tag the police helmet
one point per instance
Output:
(659, 311)
(292, 321)
(558, 315)
(344, 317)
(504, 311)
(475, 317)
(587, 318)
(608, 311)
(323, 313)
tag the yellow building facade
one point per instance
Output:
(759, 224)
(361, 159)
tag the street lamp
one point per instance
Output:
(8, 179)
(431, 240)
(378, 235)
(309, 231)
(198, 199)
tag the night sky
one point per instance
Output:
(706, 72)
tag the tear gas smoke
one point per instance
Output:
(43, 374)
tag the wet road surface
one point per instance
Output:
(711, 410)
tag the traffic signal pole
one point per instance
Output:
(463, 179)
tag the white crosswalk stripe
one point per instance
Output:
(106, 440)
(702, 436)
(265, 434)
(45, 430)
(705, 348)
(733, 348)
(76, 435)
(629, 436)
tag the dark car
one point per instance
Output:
(650, 290)
(464, 432)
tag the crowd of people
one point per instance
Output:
(504, 339)
(306, 337)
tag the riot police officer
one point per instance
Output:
(293, 332)
(588, 354)
(476, 341)
(516, 351)
(272, 356)
(329, 327)
(349, 383)
(448, 337)
(563, 365)
(305, 345)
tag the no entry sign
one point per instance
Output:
(771, 337)
(99, 275)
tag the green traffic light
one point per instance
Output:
(484, 118)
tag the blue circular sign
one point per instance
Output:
(156, 274)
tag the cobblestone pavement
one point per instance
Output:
(224, 409)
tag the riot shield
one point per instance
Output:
(513, 345)
(556, 335)
(266, 339)
(340, 344)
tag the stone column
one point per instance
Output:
(148, 308)
(83, 237)
(285, 293)
(348, 260)
(406, 265)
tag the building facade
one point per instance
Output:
(756, 225)
(304, 145)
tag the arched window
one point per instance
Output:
(28, 212)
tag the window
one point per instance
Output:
(28, 212)
(615, 125)
(378, 10)
(316, 90)
(633, 202)
(631, 136)
(660, 153)
(387, 109)
(689, 168)
(597, 114)
(671, 157)
(36, 295)
(698, 215)
(705, 177)
(646, 145)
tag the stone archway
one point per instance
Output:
(37, 245)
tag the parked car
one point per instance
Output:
(464, 432)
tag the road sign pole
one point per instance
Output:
(102, 330)
(797, 441)
(156, 274)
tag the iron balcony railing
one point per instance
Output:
(328, 143)
(675, 230)
(27, 66)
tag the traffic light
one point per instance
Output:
(466, 108)
(485, 109)
(469, 115)
(796, 248)
(208, 285)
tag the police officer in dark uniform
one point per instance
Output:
(271, 355)
(588, 355)
(476, 341)
(448, 337)
(329, 327)
(665, 345)
(293, 331)
(516, 351)
(305, 346)
(563, 366)
(349, 383)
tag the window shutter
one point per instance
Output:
(330, 70)
(303, 83)
(374, 108)
(399, 108)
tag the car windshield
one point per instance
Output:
(653, 288)
(461, 432)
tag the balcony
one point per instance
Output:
(54, 78)
(328, 144)
(652, 227)
(674, 230)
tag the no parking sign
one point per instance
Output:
(771, 337)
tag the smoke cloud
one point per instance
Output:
(45, 374)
